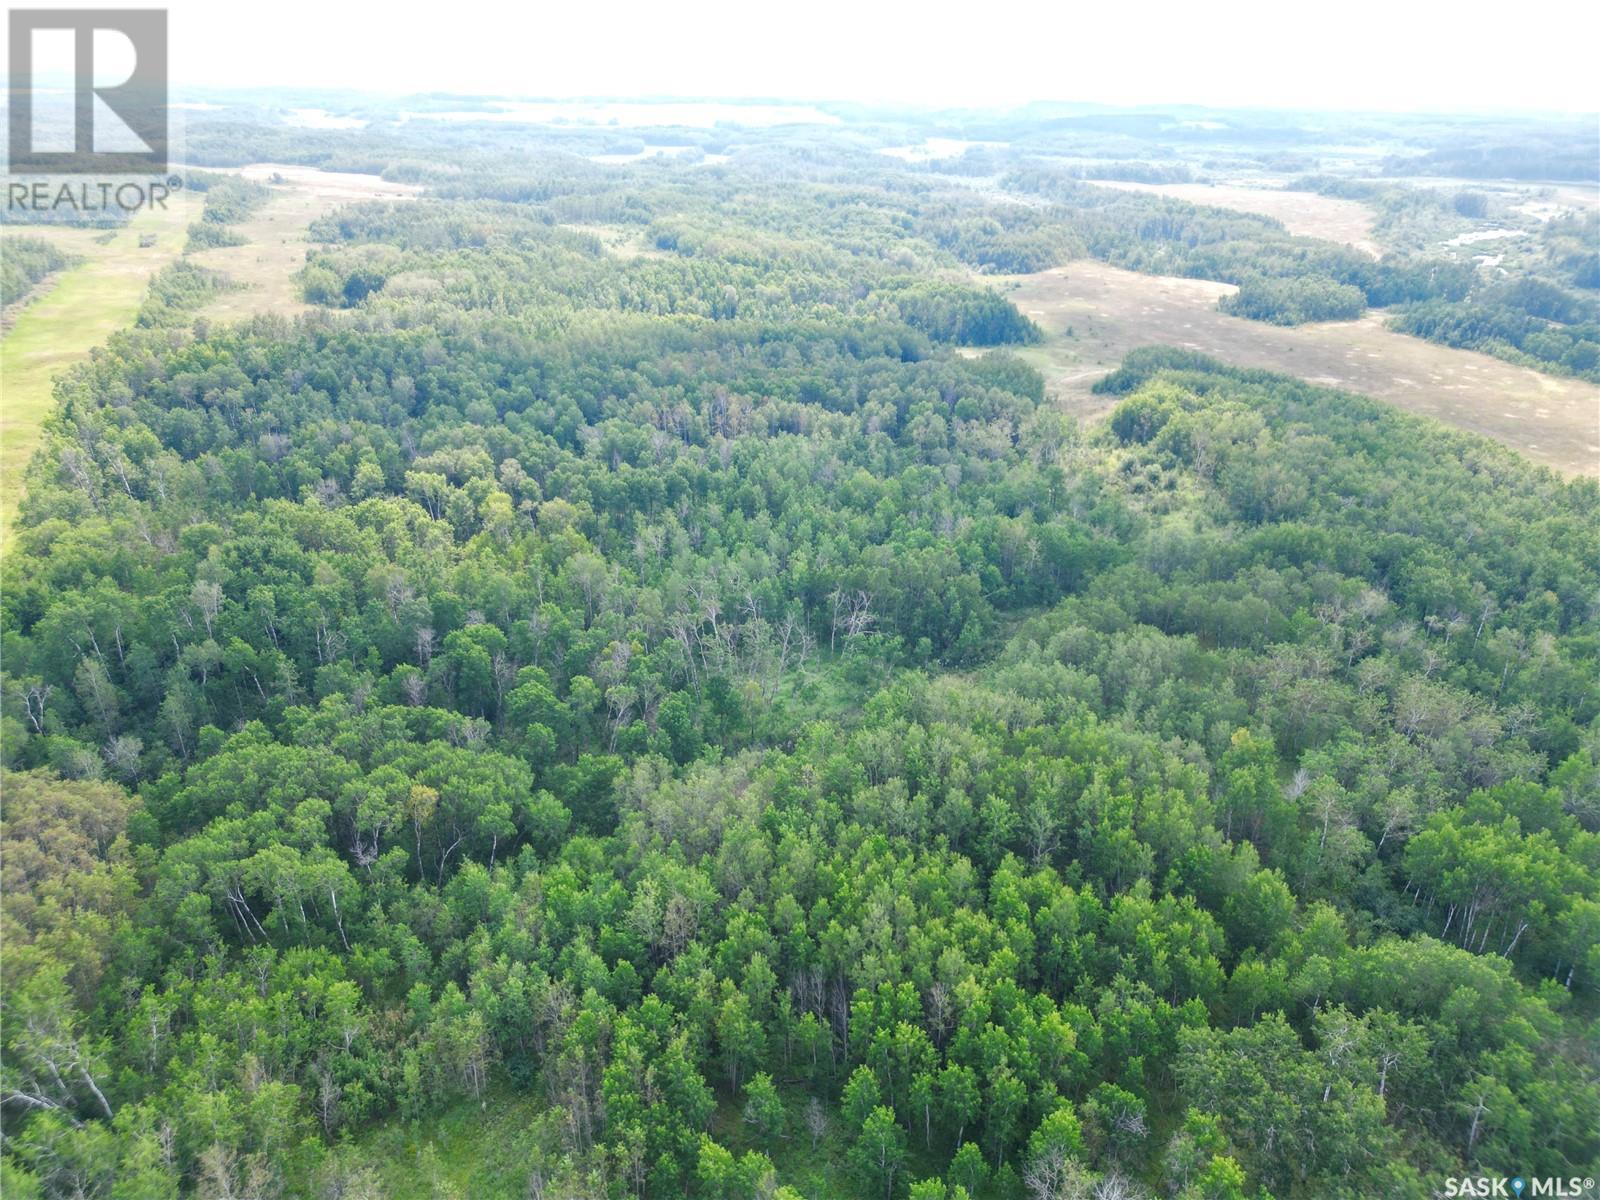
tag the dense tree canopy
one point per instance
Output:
(697, 703)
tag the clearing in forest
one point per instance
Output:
(1109, 311)
(79, 308)
(1307, 214)
(275, 249)
(72, 312)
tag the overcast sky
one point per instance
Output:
(1346, 54)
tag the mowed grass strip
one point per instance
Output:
(78, 310)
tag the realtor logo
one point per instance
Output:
(88, 91)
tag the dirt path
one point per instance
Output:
(1110, 311)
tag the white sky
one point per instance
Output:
(1395, 55)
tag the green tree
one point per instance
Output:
(879, 1150)
(763, 1107)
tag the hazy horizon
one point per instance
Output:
(1249, 55)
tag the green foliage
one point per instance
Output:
(1294, 301)
(764, 1107)
(26, 261)
(963, 316)
(1530, 322)
(208, 235)
(232, 198)
(1283, 279)
(176, 290)
(666, 724)
(879, 1151)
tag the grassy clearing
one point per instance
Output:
(485, 1151)
(264, 267)
(78, 310)
(488, 1150)
(1094, 314)
(275, 237)
(823, 1171)
(618, 240)
(1306, 213)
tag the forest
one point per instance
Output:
(700, 720)
(1530, 321)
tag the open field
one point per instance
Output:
(1303, 213)
(75, 311)
(266, 265)
(1110, 311)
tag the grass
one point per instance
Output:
(1548, 419)
(483, 1150)
(275, 237)
(265, 266)
(77, 311)
(486, 1150)
(823, 1172)
(1305, 213)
